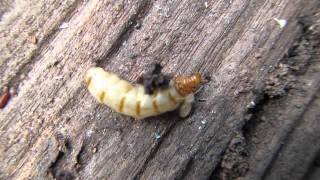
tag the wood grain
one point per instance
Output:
(52, 125)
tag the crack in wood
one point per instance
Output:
(53, 168)
(126, 31)
(154, 151)
(25, 68)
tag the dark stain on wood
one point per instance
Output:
(4, 98)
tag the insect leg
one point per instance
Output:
(189, 98)
(185, 109)
(186, 106)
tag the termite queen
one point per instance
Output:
(131, 100)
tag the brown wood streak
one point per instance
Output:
(4, 98)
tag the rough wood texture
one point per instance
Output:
(250, 121)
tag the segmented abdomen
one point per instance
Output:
(131, 100)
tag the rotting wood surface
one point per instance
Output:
(53, 128)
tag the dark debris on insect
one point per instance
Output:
(154, 79)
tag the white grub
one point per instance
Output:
(281, 22)
(125, 98)
(64, 25)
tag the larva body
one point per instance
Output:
(131, 100)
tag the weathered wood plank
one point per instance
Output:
(300, 149)
(19, 24)
(282, 135)
(52, 125)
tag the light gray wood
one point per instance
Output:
(52, 125)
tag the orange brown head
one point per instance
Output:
(187, 84)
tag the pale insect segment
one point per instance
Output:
(132, 100)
